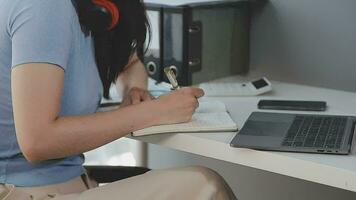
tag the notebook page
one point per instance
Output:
(201, 122)
(210, 107)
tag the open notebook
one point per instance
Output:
(210, 116)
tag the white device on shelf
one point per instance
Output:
(252, 88)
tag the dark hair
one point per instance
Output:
(114, 48)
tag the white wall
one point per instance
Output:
(306, 41)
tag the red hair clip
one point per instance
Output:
(112, 9)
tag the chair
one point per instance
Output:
(108, 174)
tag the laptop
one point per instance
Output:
(325, 134)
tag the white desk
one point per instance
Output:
(333, 170)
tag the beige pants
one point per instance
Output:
(187, 183)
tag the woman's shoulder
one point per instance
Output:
(62, 8)
(44, 3)
(36, 12)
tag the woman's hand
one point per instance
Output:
(135, 96)
(178, 106)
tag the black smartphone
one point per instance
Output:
(292, 105)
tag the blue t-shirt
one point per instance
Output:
(45, 31)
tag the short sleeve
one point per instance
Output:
(41, 31)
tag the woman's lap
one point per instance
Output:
(178, 183)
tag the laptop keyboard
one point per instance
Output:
(315, 131)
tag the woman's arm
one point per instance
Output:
(133, 76)
(43, 135)
(132, 83)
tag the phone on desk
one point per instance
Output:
(292, 105)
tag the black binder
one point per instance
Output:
(203, 41)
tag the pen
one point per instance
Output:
(169, 71)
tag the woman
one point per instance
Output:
(52, 77)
